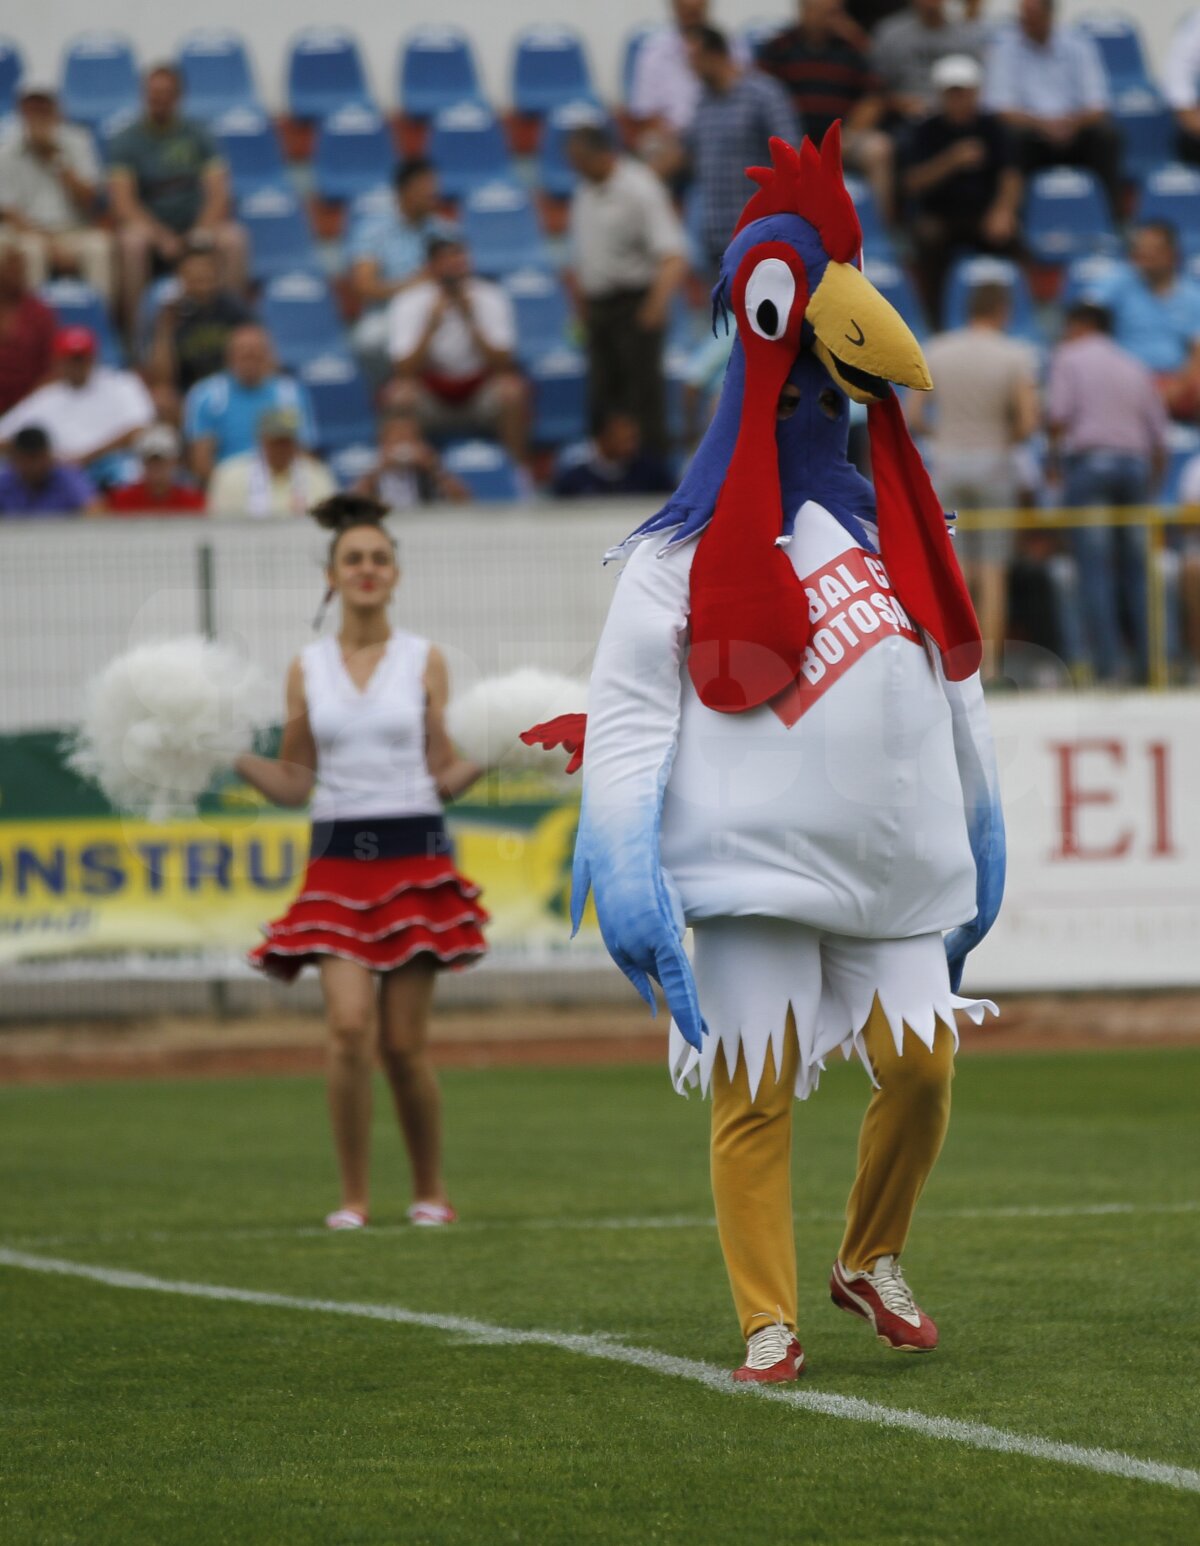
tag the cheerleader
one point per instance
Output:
(382, 908)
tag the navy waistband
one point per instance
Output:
(380, 837)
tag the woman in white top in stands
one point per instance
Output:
(382, 907)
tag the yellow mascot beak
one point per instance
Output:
(862, 340)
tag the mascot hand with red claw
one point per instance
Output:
(787, 751)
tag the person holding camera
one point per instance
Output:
(409, 471)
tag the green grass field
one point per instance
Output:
(156, 1417)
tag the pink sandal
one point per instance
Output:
(346, 1218)
(431, 1214)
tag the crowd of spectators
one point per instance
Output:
(950, 108)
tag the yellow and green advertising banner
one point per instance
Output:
(77, 877)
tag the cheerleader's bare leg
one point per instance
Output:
(350, 1011)
(406, 998)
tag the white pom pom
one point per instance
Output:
(486, 721)
(162, 719)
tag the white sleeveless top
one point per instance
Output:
(370, 743)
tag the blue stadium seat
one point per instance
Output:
(340, 400)
(501, 229)
(1173, 194)
(1120, 44)
(969, 272)
(467, 147)
(543, 315)
(353, 463)
(875, 233)
(893, 283)
(325, 72)
(629, 58)
(12, 65)
(105, 132)
(549, 68)
(216, 71)
(1067, 215)
(280, 239)
(299, 314)
(555, 175)
(1183, 443)
(1086, 276)
(354, 154)
(436, 70)
(248, 142)
(77, 305)
(100, 78)
(487, 470)
(559, 396)
(1147, 129)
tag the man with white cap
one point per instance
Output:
(277, 478)
(49, 186)
(161, 489)
(961, 180)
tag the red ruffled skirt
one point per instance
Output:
(379, 912)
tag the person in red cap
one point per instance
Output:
(90, 411)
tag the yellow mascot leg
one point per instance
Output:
(901, 1137)
(752, 1186)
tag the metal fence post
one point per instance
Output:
(206, 606)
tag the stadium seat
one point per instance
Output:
(280, 239)
(1120, 44)
(629, 59)
(543, 315)
(299, 314)
(486, 469)
(467, 147)
(100, 78)
(501, 229)
(353, 463)
(893, 283)
(1086, 276)
(250, 146)
(1067, 215)
(969, 272)
(75, 304)
(1146, 127)
(549, 68)
(340, 400)
(105, 132)
(324, 73)
(12, 66)
(217, 76)
(436, 70)
(875, 233)
(1183, 443)
(559, 381)
(354, 154)
(154, 297)
(1173, 194)
(555, 174)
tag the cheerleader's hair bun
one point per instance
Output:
(340, 512)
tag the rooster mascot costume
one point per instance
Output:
(787, 752)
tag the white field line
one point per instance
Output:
(588, 1226)
(1105, 1462)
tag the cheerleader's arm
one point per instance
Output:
(289, 778)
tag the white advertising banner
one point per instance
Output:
(1103, 822)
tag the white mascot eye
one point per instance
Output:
(770, 291)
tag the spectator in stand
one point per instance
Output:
(277, 478)
(49, 187)
(963, 187)
(740, 109)
(167, 183)
(665, 91)
(408, 472)
(1048, 84)
(905, 48)
(451, 339)
(193, 327)
(33, 483)
(614, 463)
(161, 490)
(221, 413)
(91, 412)
(387, 252)
(27, 329)
(628, 258)
(984, 404)
(828, 76)
(1156, 314)
(1181, 87)
(1107, 422)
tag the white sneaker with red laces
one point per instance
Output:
(882, 1297)
(346, 1218)
(773, 1355)
(429, 1214)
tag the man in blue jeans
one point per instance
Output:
(1108, 424)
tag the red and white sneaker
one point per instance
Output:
(773, 1356)
(882, 1297)
(346, 1218)
(431, 1214)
